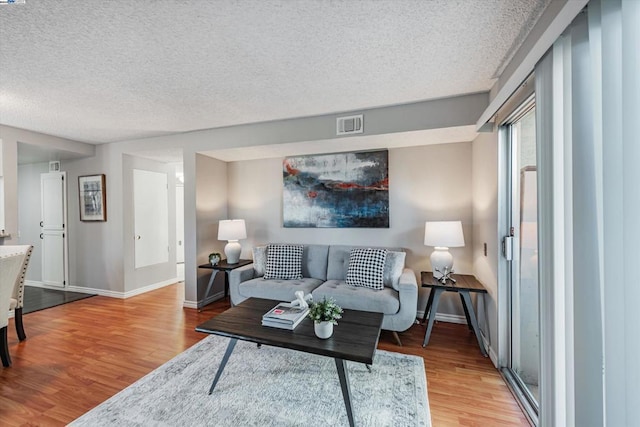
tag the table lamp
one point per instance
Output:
(443, 235)
(232, 230)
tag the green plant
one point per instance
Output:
(325, 311)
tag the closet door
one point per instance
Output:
(151, 217)
(53, 193)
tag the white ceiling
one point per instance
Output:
(102, 71)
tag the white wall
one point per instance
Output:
(96, 248)
(485, 230)
(211, 207)
(10, 137)
(425, 183)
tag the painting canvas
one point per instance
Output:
(344, 190)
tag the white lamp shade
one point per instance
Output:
(446, 234)
(232, 229)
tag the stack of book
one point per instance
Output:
(284, 316)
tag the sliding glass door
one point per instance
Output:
(523, 368)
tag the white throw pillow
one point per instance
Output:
(260, 260)
(284, 262)
(393, 267)
(366, 268)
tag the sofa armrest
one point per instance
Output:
(408, 294)
(236, 277)
(408, 281)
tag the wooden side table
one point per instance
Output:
(464, 285)
(225, 267)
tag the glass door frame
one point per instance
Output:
(512, 195)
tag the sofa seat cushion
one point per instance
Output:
(383, 301)
(279, 290)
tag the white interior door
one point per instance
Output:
(53, 260)
(180, 224)
(151, 217)
(53, 197)
(53, 193)
(180, 232)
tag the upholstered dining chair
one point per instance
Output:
(10, 266)
(17, 296)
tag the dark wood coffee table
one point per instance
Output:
(355, 338)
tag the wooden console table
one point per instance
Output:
(464, 285)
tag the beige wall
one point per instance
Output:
(426, 183)
(211, 207)
(485, 230)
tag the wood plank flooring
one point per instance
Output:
(79, 354)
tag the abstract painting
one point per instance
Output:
(343, 190)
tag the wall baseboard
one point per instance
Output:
(443, 317)
(202, 303)
(104, 292)
(492, 353)
(37, 284)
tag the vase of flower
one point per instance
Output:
(325, 314)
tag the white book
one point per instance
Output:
(285, 313)
(282, 325)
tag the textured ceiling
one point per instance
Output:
(103, 71)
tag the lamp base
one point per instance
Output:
(441, 262)
(232, 251)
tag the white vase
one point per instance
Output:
(323, 329)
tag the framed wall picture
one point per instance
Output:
(342, 190)
(93, 197)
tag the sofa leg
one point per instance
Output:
(397, 338)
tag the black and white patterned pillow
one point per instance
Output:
(366, 268)
(284, 262)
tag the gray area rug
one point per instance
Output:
(268, 386)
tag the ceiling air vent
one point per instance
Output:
(350, 124)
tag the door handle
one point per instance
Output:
(138, 237)
(41, 225)
(41, 237)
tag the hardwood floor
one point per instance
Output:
(79, 354)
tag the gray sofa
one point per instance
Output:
(324, 270)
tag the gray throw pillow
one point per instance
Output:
(284, 262)
(366, 268)
(260, 260)
(393, 267)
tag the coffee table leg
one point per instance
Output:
(225, 359)
(346, 391)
